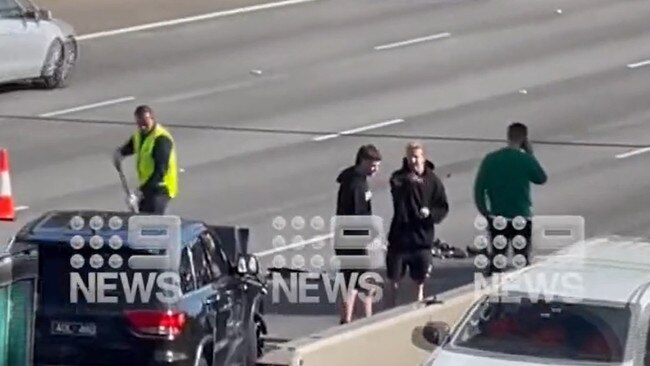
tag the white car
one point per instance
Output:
(594, 309)
(35, 47)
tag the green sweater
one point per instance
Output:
(502, 185)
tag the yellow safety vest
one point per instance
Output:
(145, 163)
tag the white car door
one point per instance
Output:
(6, 72)
(9, 64)
(25, 41)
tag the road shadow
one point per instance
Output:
(16, 87)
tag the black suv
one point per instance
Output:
(217, 320)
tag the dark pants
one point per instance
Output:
(153, 203)
(418, 261)
(511, 234)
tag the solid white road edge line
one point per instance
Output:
(633, 153)
(639, 64)
(87, 106)
(299, 244)
(359, 129)
(412, 41)
(191, 19)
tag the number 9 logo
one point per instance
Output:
(155, 233)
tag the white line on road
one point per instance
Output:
(412, 41)
(191, 19)
(639, 64)
(359, 129)
(633, 153)
(299, 244)
(87, 106)
(373, 126)
(326, 137)
(21, 208)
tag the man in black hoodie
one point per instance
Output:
(354, 199)
(419, 203)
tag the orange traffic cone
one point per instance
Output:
(7, 207)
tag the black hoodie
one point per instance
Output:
(411, 192)
(354, 194)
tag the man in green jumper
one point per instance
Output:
(502, 191)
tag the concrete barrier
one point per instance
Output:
(389, 338)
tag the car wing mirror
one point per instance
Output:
(436, 333)
(430, 335)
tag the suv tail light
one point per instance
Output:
(156, 322)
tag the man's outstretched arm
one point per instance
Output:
(122, 151)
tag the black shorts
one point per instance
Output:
(509, 233)
(418, 261)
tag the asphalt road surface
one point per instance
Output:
(431, 68)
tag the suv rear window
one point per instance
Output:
(63, 286)
(578, 332)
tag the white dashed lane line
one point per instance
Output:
(633, 153)
(88, 106)
(639, 64)
(413, 41)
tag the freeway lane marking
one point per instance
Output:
(87, 106)
(412, 41)
(299, 244)
(639, 64)
(191, 19)
(359, 129)
(21, 208)
(633, 153)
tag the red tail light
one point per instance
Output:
(156, 322)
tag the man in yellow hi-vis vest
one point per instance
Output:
(155, 156)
